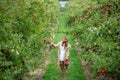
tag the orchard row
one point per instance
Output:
(23, 26)
(95, 25)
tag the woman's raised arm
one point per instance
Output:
(55, 45)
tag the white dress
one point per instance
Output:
(62, 53)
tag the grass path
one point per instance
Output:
(74, 71)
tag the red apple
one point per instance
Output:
(35, 21)
(87, 49)
(75, 33)
(103, 71)
(15, 68)
(119, 69)
(113, 77)
(94, 49)
(23, 62)
(7, 53)
(33, 15)
(44, 40)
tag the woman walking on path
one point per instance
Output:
(63, 54)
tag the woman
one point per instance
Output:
(63, 54)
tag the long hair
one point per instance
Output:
(65, 42)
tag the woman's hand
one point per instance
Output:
(51, 43)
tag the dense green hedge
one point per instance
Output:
(95, 24)
(23, 25)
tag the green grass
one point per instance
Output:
(74, 71)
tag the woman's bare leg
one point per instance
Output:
(62, 67)
(65, 68)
